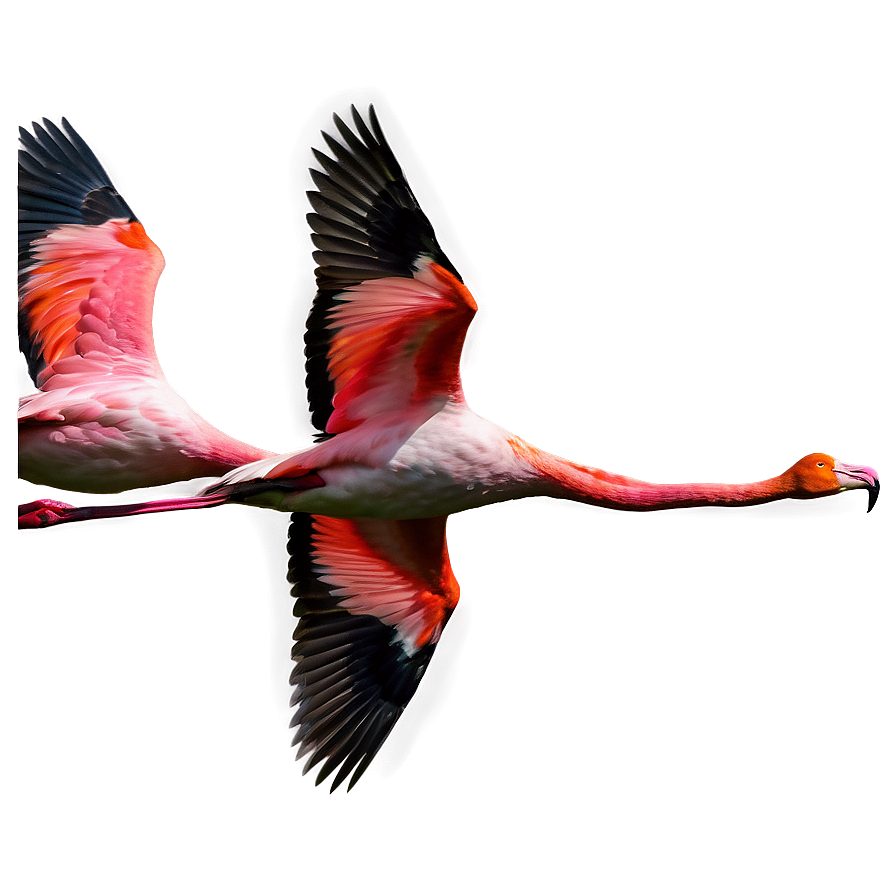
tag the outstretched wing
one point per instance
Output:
(388, 322)
(87, 270)
(372, 599)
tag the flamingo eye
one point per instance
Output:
(820, 463)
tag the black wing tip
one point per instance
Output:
(57, 166)
(362, 691)
(350, 757)
(364, 184)
(353, 128)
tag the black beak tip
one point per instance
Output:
(873, 492)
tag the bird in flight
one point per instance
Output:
(105, 418)
(398, 451)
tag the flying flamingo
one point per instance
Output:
(399, 450)
(105, 418)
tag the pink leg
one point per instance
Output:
(40, 514)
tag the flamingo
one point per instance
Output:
(105, 418)
(399, 451)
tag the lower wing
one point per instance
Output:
(373, 597)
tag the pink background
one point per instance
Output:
(677, 220)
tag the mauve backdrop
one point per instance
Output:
(678, 223)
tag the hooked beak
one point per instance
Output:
(851, 476)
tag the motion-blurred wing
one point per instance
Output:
(372, 599)
(87, 270)
(388, 322)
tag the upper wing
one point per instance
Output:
(373, 597)
(87, 270)
(391, 312)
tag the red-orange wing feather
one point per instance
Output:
(373, 597)
(388, 322)
(396, 342)
(87, 269)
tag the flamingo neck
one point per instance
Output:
(223, 453)
(589, 485)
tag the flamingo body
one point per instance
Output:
(118, 433)
(105, 418)
(417, 467)
(398, 451)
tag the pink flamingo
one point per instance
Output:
(105, 418)
(399, 451)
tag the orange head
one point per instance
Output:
(816, 475)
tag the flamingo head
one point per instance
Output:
(820, 474)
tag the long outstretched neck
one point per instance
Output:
(223, 453)
(564, 479)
